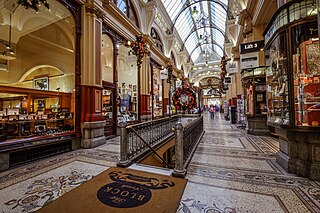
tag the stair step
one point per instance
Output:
(151, 169)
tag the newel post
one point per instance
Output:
(179, 170)
(124, 146)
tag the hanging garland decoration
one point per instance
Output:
(223, 73)
(190, 102)
(33, 4)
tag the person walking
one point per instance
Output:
(211, 110)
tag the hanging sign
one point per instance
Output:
(178, 83)
(249, 60)
(164, 74)
(232, 67)
(251, 47)
(227, 80)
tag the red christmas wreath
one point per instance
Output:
(190, 102)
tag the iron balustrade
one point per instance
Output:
(139, 138)
(191, 134)
(187, 139)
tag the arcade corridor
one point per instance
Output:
(230, 172)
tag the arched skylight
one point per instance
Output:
(197, 20)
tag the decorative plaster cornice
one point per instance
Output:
(95, 10)
(244, 17)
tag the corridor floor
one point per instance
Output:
(230, 172)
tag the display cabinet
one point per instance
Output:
(108, 108)
(26, 113)
(254, 84)
(277, 81)
(306, 71)
(293, 85)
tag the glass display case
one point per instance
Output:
(306, 72)
(277, 81)
(34, 113)
(293, 85)
(254, 82)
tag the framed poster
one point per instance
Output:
(41, 83)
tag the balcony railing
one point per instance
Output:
(141, 139)
(188, 137)
(138, 139)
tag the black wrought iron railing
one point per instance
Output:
(188, 136)
(191, 134)
(139, 138)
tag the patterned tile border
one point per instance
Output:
(229, 209)
(308, 189)
(24, 172)
(275, 169)
(232, 153)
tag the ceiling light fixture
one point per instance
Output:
(194, 12)
(34, 4)
(200, 39)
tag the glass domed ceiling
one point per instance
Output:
(201, 26)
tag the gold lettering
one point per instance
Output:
(108, 189)
(115, 191)
(134, 195)
(124, 193)
(141, 197)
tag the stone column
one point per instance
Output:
(145, 78)
(179, 170)
(92, 120)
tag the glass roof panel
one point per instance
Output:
(186, 21)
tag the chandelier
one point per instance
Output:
(33, 4)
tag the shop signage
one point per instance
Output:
(251, 47)
(249, 60)
(164, 74)
(124, 195)
(228, 80)
(129, 190)
(232, 67)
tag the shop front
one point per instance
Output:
(253, 75)
(157, 91)
(38, 89)
(127, 99)
(293, 73)
(254, 84)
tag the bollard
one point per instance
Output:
(179, 170)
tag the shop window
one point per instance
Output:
(306, 65)
(127, 8)
(127, 94)
(37, 88)
(157, 93)
(107, 58)
(156, 38)
(277, 81)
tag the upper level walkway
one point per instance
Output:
(229, 172)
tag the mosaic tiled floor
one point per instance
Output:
(230, 172)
